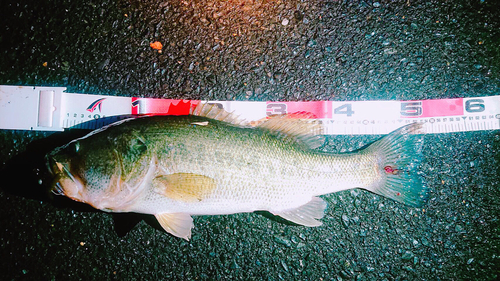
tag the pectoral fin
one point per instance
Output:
(177, 224)
(185, 187)
(306, 214)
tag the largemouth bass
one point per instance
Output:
(208, 163)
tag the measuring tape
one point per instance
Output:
(52, 109)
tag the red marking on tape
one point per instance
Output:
(444, 107)
(318, 109)
(435, 108)
(152, 107)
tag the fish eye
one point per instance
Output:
(75, 146)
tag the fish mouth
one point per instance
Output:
(65, 183)
(55, 173)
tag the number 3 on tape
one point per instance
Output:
(276, 109)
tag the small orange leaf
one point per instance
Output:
(156, 45)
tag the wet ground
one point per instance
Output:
(259, 50)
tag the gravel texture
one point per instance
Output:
(258, 50)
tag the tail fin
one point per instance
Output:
(399, 155)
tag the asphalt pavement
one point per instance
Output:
(258, 50)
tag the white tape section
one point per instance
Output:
(52, 109)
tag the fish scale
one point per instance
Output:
(243, 180)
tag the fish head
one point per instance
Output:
(77, 174)
(101, 171)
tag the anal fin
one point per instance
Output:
(177, 224)
(306, 214)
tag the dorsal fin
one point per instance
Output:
(298, 126)
(213, 111)
(294, 125)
